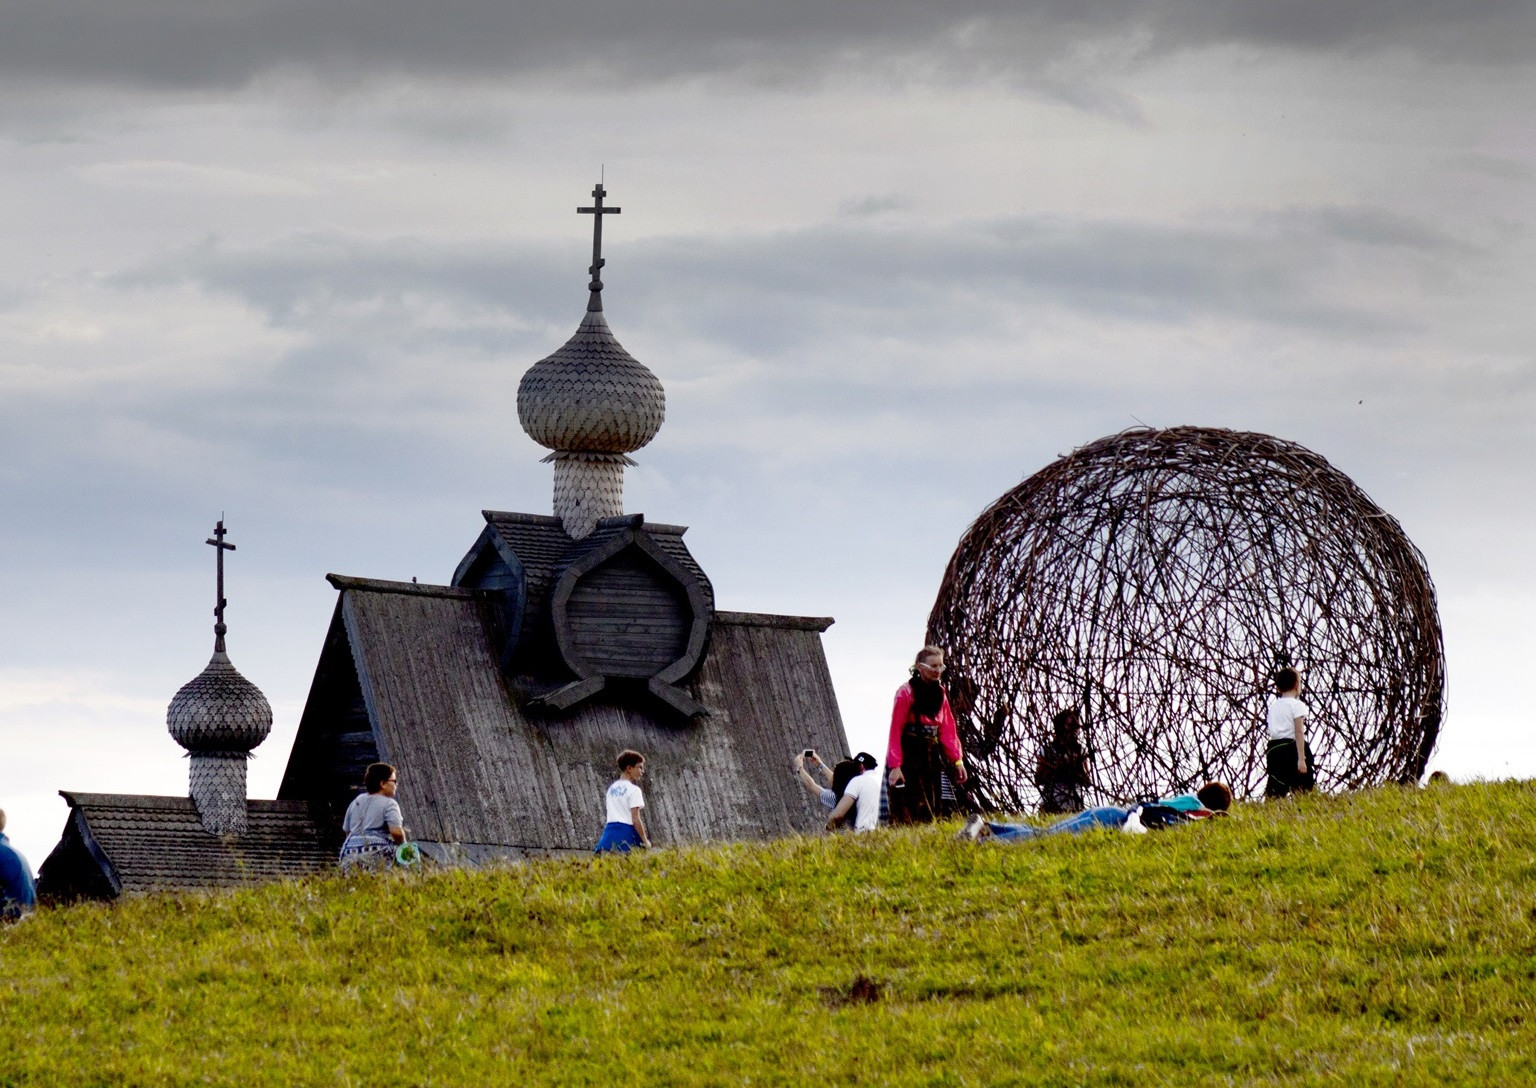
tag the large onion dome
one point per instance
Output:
(591, 396)
(219, 710)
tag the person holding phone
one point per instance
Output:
(861, 797)
(816, 777)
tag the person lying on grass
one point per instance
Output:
(1211, 799)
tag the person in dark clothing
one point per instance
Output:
(1061, 771)
(18, 891)
(924, 743)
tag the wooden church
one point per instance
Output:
(504, 696)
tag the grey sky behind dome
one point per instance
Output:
(287, 262)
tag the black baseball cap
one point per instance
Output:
(867, 761)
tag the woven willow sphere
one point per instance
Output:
(219, 710)
(591, 395)
(1153, 580)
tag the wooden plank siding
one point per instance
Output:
(476, 768)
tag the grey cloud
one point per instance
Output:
(776, 293)
(1496, 166)
(873, 204)
(1371, 227)
(181, 43)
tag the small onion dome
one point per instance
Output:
(219, 710)
(591, 396)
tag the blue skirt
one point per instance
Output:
(617, 839)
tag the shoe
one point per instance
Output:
(973, 829)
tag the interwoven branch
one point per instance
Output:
(1153, 579)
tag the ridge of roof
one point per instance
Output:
(381, 585)
(620, 520)
(152, 802)
(770, 619)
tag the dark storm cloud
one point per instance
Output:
(228, 42)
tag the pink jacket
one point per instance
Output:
(949, 737)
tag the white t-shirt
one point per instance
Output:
(624, 795)
(1283, 712)
(865, 791)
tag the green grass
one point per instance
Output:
(1383, 938)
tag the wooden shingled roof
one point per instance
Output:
(116, 844)
(410, 675)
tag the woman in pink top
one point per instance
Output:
(923, 743)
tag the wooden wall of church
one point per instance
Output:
(474, 768)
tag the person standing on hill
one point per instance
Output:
(373, 827)
(923, 742)
(1061, 772)
(1287, 757)
(625, 829)
(18, 891)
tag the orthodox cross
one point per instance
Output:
(597, 211)
(220, 547)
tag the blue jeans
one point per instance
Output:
(1106, 816)
(617, 839)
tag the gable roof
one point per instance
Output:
(125, 844)
(478, 767)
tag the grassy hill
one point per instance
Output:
(1383, 938)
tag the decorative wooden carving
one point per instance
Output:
(625, 610)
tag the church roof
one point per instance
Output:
(410, 675)
(125, 844)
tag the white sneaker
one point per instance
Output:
(973, 829)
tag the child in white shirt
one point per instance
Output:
(1287, 757)
(625, 829)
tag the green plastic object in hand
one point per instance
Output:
(407, 854)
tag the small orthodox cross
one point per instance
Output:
(221, 546)
(597, 211)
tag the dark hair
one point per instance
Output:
(1286, 679)
(845, 772)
(867, 761)
(629, 758)
(1215, 796)
(376, 775)
(1068, 717)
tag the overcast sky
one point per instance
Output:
(287, 261)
